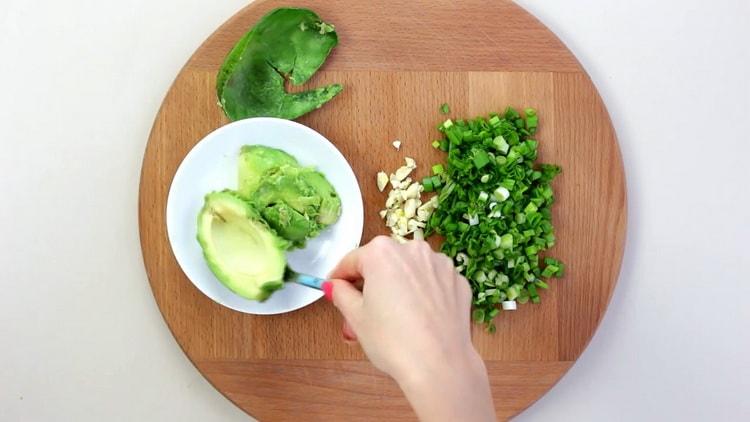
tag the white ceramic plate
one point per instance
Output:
(212, 165)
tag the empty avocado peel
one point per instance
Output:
(287, 43)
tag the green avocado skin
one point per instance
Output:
(296, 202)
(286, 43)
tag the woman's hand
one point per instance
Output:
(412, 319)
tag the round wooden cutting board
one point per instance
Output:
(399, 60)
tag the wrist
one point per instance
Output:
(449, 387)
(463, 362)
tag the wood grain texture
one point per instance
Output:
(370, 395)
(399, 61)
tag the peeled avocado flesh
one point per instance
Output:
(255, 161)
(330, 204)
(297, 202)
(239, 247)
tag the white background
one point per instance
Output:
(81, 338)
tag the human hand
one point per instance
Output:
(412, 319)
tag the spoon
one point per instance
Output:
(291, 276)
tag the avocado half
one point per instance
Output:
(242, 251)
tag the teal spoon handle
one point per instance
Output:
(291, 276)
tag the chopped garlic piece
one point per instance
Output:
(382, 180)
(397, 144)
(405, 184)
(410, 208)
(430, 205)
(390, 202)
(414, 190)
(402, 226)
(391, 219)
(418, 234)
(404, 212)
(414, 225)
(402, 173)
(423, 215)
(394, 198)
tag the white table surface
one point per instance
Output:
(81, 338)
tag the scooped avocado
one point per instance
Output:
(330, 204)
(257, 160)
(297, 202)
(240, 249)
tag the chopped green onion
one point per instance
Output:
(480, 276)
(551, 270)
(532, 120)
(501, 193)
(478, 315)
(427, 184)
(445, 108)
(481, 158)
(444, 144)
(500, 144)
(506, 241)
(541, 284)
(512, 292)
(501, 229)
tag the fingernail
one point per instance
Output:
(328, 290)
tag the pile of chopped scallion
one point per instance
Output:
(494, 209)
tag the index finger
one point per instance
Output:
(350, 267)
(353, 266)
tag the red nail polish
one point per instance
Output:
(328, 290)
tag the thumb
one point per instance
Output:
(347, 299)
